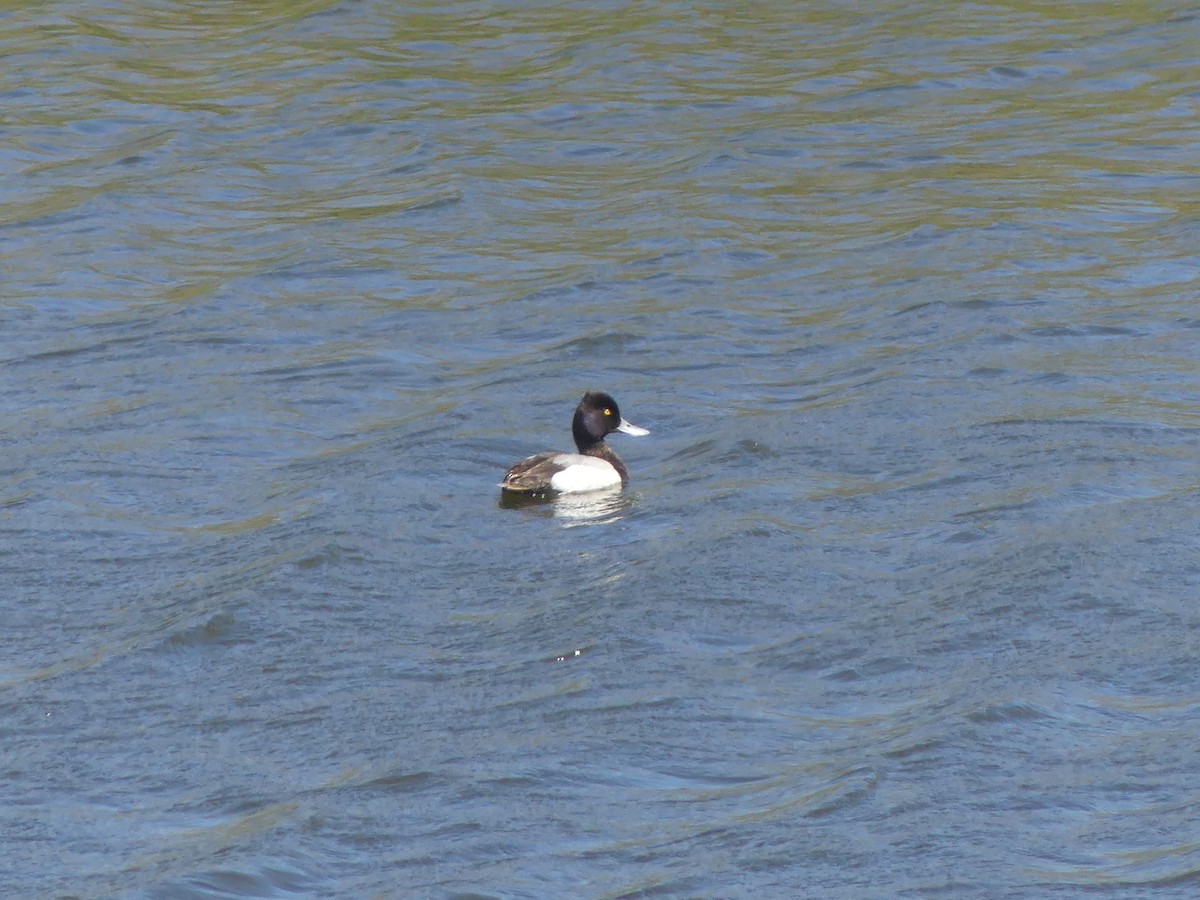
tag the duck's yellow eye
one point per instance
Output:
(607, 411)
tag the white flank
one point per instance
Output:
(584, 474)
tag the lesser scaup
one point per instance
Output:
(593, 468)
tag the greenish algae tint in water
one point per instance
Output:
(900, 598)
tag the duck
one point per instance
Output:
(594, 468)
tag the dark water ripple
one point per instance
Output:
(900, 601)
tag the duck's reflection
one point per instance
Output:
(576, 509)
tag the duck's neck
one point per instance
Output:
(583, 437)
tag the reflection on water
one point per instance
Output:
(577, 509)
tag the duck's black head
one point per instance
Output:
(596, 416)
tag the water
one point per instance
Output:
(900, 602)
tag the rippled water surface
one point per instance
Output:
(901, 601)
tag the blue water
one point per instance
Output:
(900, 600)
